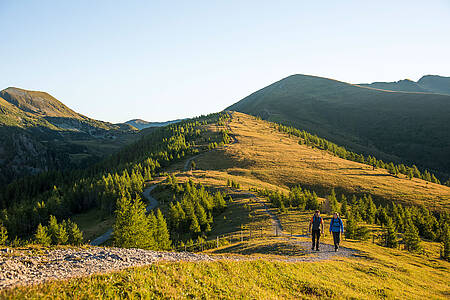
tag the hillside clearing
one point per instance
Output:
(264, 154)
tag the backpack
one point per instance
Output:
(314, 220)
(332, 222)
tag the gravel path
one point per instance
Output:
(326, 250)
(24, 267)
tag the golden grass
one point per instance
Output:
(378, 273)
(262, 155)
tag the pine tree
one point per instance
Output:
(390, 235)
(333, 203)
(344, 208)
(194, 227)
(350, 227)
(371, 210)
(75, 234)
(53, 230)
(411, 238)
(3, 234)
(62, 237)
(410, 173)
(132, 228)
(162, 235)
(41, 237)
(445, 252)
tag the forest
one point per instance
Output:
(31, 201)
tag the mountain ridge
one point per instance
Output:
(426, 84)
(40, 133)
(394, 126)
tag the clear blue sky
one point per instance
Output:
(161, 60)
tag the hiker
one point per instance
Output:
(317, 227)
(336, 227)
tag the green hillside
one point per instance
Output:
(39, 133)
(393, 126)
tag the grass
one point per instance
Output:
(262, 154)
(271, 248)
(378, 273)
(93, 223)
(265, 158)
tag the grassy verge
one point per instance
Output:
(378, 273)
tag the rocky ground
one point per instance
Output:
(31, 267)
(25, 267)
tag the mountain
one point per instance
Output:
(393, 126)
(435, 83)
(141, 124)
(39, 133)
(427, 84)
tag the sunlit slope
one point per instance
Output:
(262, 152)
(396, 126)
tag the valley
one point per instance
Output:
(251, 240)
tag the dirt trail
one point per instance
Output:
(25, 267)
(326, 250)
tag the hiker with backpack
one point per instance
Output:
(336, 228)
(317, 227)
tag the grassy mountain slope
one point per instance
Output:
(427, 84)
(142, 124)
(262, 157)
(39, 133)
(394, 126)
(405, 85)
(264, 154)
(435, 83)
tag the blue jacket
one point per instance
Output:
(336, 225)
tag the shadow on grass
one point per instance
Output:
(274, 248)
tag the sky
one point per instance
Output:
(163, 60)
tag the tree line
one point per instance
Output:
(314, 141)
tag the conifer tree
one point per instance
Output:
(41, 237)
(194, 227)
(132, 228)
(390, 235)
(53, 230)
(3, 234)
(411, 238)
(75, 234)
(162, 235)
(62, 237)
(410, 173)
(350, 226)
(344, 208)
(371, 210)
(445, 252)
(334, 207)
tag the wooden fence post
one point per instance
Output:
(217, 239)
